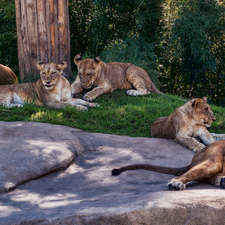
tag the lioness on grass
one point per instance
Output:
(207, 165)
(106, 77)
(186, 123)
(52, 90)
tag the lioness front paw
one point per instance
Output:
(81, 108)
(176, 186)
(15, 105)
(88, 97)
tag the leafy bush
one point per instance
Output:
(194, 62)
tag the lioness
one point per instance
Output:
(108, 77)
(7, 76)
(186, 123)
(207, 165)
(52, 90)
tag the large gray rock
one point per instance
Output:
(86, 193)
(30, 150)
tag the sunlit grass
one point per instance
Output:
(118, 114)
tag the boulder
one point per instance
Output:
(30, 150)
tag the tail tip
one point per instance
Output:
(116, 172)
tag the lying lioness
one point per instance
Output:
(7, 76)
(52, 90)
(207, 165)
(186, 123)
(110, 76)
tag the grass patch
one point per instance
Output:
(118, 114)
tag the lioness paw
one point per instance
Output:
(132, 92)
(15, 105)
(81, 108)
(176, 186)
(93, 105)
(88, 97)
(137, 92)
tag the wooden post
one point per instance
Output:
(42, 34)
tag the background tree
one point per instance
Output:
(42, 34)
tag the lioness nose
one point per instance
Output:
(47, 82)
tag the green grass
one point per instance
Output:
(118, 114)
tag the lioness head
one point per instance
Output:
(50, 73)
(203, 111)
(88, 70)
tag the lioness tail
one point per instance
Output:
(155, 89)
(161, 169)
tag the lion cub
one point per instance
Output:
(52, 90)
(7, 76)
(186, 123)
(107, 77)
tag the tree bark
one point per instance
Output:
(42, 34)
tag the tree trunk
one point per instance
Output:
(42, 34)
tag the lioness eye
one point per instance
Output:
(89, 74)
(44, 73)
(53, 73)
(206, 109)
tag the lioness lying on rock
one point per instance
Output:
(186, 123)
(207, 165)
(52, 90)
(7, 76)
(110, 76)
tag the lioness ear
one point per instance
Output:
(96, 61)
(204, 99)
(40, 65)
(198, 102)
(77, 59)
(61, 65)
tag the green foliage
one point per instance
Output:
(112, 20)
(80, 14)
(194, 64)
(8, 38)
(193, 36)
(118, 114)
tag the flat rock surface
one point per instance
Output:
(86, 193)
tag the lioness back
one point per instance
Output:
(17, 94)
(7, 76)
(163, 128)
(115, 74)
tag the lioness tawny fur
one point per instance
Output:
(106, 77)
(52, 90)
(186, 123)
(207, 165)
